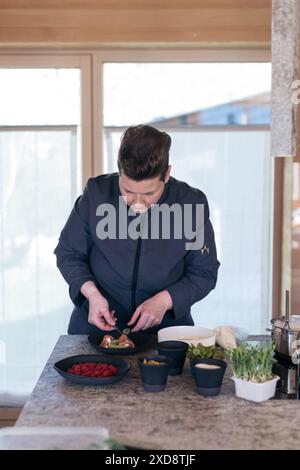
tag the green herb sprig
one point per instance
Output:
(203, 352)
(126, 331)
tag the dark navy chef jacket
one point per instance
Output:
(128, 271)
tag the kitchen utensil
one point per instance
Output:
(286, 340)
(287, 304)
(124, 331)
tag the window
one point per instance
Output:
(59, 124)
(218, 115)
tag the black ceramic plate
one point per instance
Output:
(141, 340)
(62, 366)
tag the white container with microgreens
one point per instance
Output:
(252, 369)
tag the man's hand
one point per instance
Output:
(99, 314)
(151, 312)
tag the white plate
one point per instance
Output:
(188, 334)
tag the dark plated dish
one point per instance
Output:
(64, 365)
(141, 340)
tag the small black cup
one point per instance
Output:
(195, 361)
(176, 351)
(154, 376)
(208, 381)
(192, 363)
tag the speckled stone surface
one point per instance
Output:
(285, 60)
(177, 418)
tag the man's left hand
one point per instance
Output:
(151, 312)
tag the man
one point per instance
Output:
(118, 272)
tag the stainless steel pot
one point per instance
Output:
(287, 341)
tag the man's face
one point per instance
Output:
(141, 194)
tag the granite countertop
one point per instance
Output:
(177, 418)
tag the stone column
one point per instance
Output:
(285, 71)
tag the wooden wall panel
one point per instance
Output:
(136, 21)
(8, 416)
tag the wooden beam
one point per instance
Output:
(136, 4)
(219, 21)
(8, 416)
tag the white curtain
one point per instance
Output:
(38, 186)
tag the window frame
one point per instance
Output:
(18, 60)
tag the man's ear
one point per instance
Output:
(168, 174)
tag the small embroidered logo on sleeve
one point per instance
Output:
(204, 248)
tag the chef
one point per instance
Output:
(138, 248)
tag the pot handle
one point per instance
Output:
(279, 330)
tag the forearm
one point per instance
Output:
(166, 299)
(89, 290)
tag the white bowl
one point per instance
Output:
(188, 334)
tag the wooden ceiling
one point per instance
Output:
(135, 21)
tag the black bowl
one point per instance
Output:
(62, 366)
(194, 361)
(141, 340)
(154, 376)
(209, 381)
(176, 351)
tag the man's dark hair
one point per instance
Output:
(144, 153)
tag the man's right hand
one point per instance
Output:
(99, 314)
